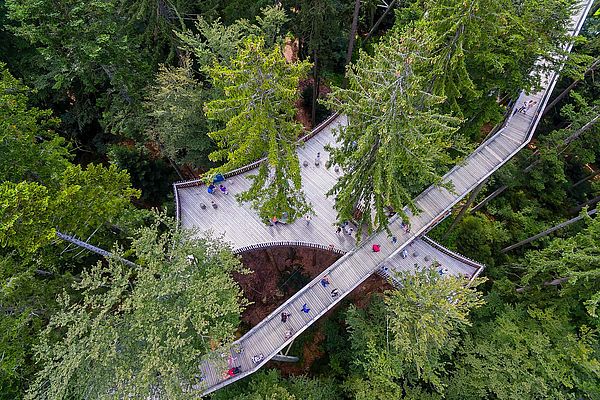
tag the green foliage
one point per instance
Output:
(30, 148)
(155, 23)
(527, 354)
(177, 124)
(576, 262)
(78, 202)
(144, 330)
(216, 42)
(41, 190)
(562, 150)
(397, 140)
(25, 216)
(260, 90)
(406, 339)
(480, 238)
(91, 61)
(269, 385)
(152, 176)
(483, 51)
(27, 299)
(319, 26)
(243, 9)
(425, 317)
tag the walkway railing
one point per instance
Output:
(198, 182)
(296, 243)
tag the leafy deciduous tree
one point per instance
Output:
(143, 331)
(526, 354)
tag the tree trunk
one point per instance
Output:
(554, 282)
(565, 92)
(352, 37)
(176, 168)
(491, 196)
(380, 20)
(315, 96)
(92, 248)
(577, 209)
(546, 232)
(587, 178)
(464, 209)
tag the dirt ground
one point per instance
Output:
(278, 273)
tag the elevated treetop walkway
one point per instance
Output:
(270, 336)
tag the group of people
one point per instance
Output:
(285, 316)
(212, 189)
(283, 220)
(346, 227)
(405, 227)
(527, 105)
(326, 282)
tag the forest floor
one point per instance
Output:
(278, 273)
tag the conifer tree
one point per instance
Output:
(177, 121)
(396, 141)
(260, 88)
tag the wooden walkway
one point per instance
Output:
(230, 216)
(270, 336)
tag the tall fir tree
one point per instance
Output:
(397, 140)
(260, 89)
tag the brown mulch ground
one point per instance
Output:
(278, 273)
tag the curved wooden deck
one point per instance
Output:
(230, 216)
(269, 336)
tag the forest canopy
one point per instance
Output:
(104, 104)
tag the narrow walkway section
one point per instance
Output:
(271, 335)
(425, 253)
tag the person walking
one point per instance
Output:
(335, 293)
(325, 281)
(529, 106)
(305, 308)
(285, 316)
(213, 204)
(338, 230)
(523, 107)
(307, 218)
